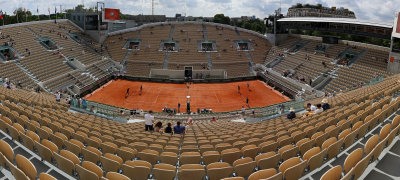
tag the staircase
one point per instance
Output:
(171, 32)
(322, 86)
(26, 71)
(165, 63)
(355, 59)
(33, 32)
(126, 56)
(246, 52)
(208, 54)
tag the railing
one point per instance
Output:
(114, 113)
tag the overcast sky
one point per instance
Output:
(377, 10)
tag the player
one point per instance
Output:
(141, 89)
(127, 93)
(248, 86)
(239, 89)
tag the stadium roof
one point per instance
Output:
(337, 20)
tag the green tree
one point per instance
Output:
(221, 18)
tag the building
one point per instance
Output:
(320, 11)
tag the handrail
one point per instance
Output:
(114, 112)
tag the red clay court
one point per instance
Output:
(220, 97)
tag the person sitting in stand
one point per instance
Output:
(178, 129)
(168, 129)
(319, 109)
(291, 114)
(158, 127)
(325, 105)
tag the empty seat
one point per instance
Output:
(89, 170)
(219, 170)
(292, 168)
(26, 166)
(111, 162)
(149, 155)
(137, 169)
(191, 171)
(230, 155)
(190, 158)
(244, 167)
(211, 157)
(267, 160)
(164, 171)
(66, 161)
(116, 176)
(169, 158)
(333, 174)
(265, 174)
(351, 160)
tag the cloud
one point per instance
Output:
(376, 10)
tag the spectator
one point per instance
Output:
(149, 120)
(213, 119)
(325, 105)
(178, 129)
(189, 121)
(58, 96)
(158, 127)
(19, 84)
(291, 114)
(168, 129)
(319, 109)
(311, 107)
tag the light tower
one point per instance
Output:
(152, 7)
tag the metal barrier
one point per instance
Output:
(114, 113)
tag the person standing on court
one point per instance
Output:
(141, 89)
(149, 120)
(239, 89)
(247, 101)
(179, 106)
(248, 86)
(127, 93)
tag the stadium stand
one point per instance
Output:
(78, 142)
(41, 138)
